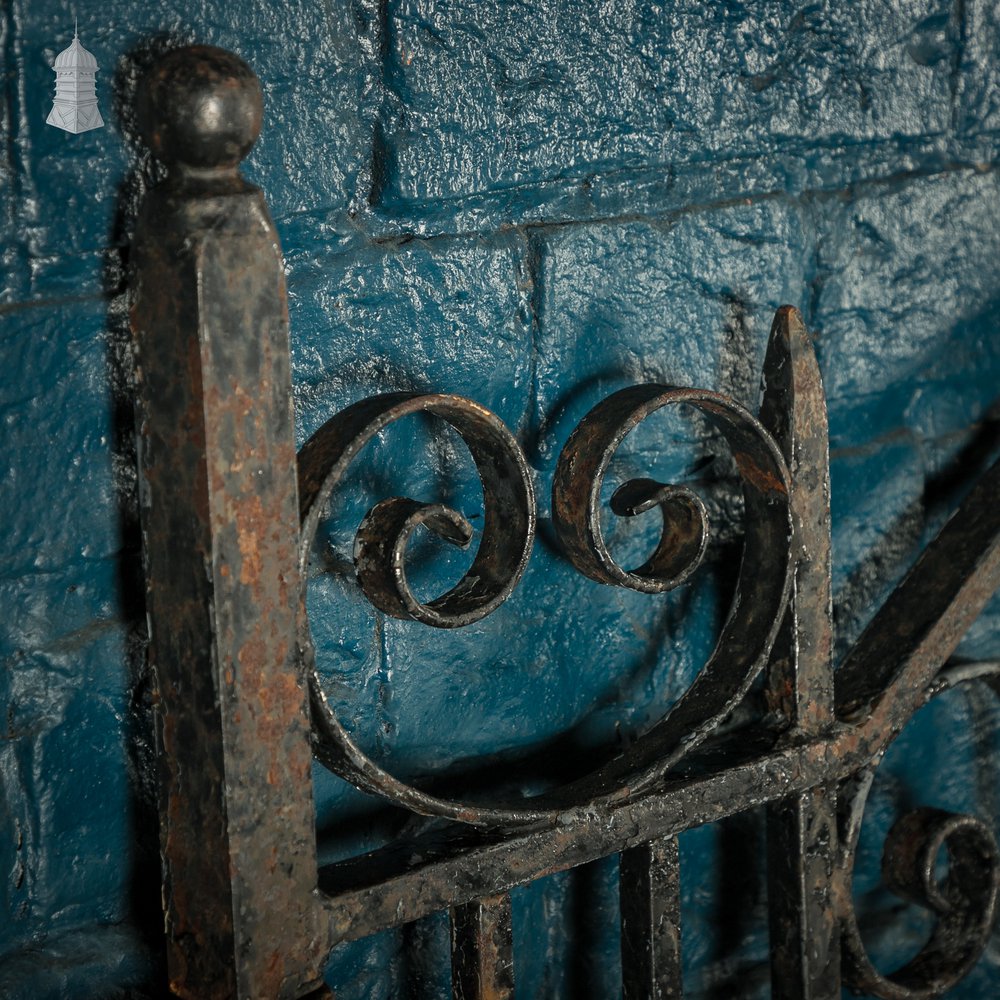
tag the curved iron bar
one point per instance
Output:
(380, 545)
(965, 902)
(875, 714)
(911, 636)
(381, 541)
(927, 614)
(379, 555)
(765, 572)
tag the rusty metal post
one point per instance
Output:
(219, 513)
(802, 830)
(482, 949)
(650, 883)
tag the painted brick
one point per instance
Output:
(904, 290)
(481, 104)
(687, 303)
(65, 679)
(978, 83)
(439, 316)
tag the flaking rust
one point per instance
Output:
(219, 514)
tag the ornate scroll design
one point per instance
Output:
(746, 638)
(761, 590)
(243, 912)
(379, 555)
(380, 545)
(785, 563)
(964, 902)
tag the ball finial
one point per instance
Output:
(200, 107)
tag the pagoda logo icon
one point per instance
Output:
(75, 106)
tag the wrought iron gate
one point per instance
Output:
(229, 512)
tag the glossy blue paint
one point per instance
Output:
(532, 205)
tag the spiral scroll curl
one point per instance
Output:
(503, 552)
(964, 902)
(380, 544)
(765, 573)
(380, 551)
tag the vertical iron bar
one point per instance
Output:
(805, 935)
(649, 886)
(802, 830)
(482, 950)
(219, 513)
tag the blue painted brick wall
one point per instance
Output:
(532, 205)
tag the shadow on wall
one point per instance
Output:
(144, 883)
(886, 563)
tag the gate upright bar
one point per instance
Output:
(219, 511)
(802, 830)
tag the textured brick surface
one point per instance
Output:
(603, 110)
(482, 103)
(978, 84)
(443, 315)
(603, 305)
(73, 195)
(899, 275)
(65, 791)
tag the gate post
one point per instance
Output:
(220, 526)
